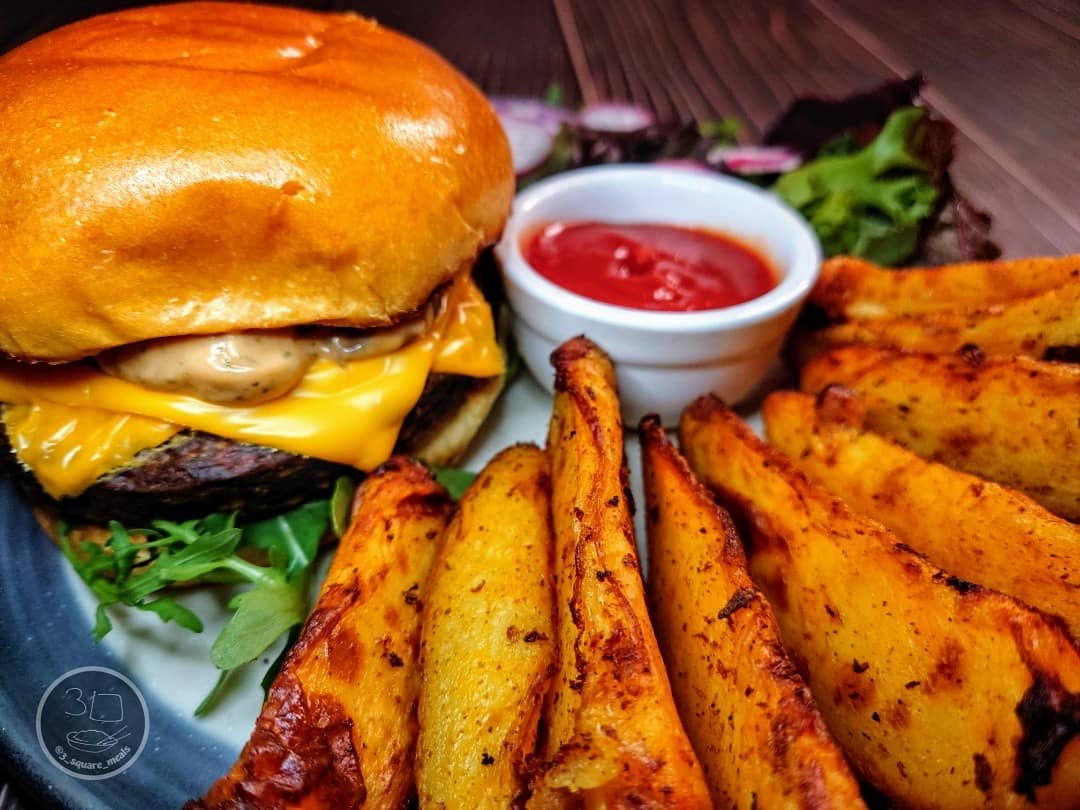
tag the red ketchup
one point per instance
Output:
(657, 267)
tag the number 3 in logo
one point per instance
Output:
(77, 699)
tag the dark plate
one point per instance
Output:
(44, 633)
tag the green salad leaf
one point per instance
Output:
(275, 667)
(134, 567)
(291, 540)
(871, 202)
(341, 505)
(260, 616)
(720, 131)
(214, 695)
(455, 480)
(554, 95)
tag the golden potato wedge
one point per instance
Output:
(338, 728)
(944, 694)
(973, 528)
(614, 738)
(749, 715)
(850, 288)
(1013, 421)
(1027, 327)
(487, 651)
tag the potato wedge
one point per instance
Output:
(338, 728)
(749, 715)
(944, 694)
(973, 528)
(487, 650)
(1013, 421)
(1028, 327)
(850, 288)
(614, 738)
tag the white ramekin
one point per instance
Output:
(663, 359)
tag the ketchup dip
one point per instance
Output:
(667, 268)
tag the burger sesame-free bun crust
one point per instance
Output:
(204, 168)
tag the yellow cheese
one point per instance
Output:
(69, 448)
(349, 413)
(468, 345)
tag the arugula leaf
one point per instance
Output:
(455, 480)
(291, 540)
(274, 668)
(212, 697)
(124, 550)
(202, 556)
(133, 590)
(514, 363)
(169, 610)
(134, 566)
(341, 504)
(102, 623)
(262, 615)
(872, 203)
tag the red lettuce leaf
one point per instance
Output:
(811, 121)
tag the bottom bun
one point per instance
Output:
(445, 440)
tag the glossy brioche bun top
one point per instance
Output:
(204, 168)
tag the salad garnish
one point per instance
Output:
(137, 567)
(870, 172)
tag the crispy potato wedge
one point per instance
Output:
(944, 694)
(1028, 327)
(850, 288)
(338, 728)
(749, 715)
(1013, 421)
(976, 529)
(487, 650)
(614, 738)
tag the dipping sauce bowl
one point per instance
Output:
(663, 359)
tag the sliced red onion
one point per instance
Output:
(531, 111)
(530, 143)
(684, 163)
(614, 116)
(755, 159)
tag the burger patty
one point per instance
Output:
(191, 475)
(443, 395)
(195, 473)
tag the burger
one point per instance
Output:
(236, 259)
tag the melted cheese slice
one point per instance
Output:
(70, 424)
(69, 448)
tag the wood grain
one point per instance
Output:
(707, 57)
(1035, 78)
(507, 47)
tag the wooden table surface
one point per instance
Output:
(1006, 72)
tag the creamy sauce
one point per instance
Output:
(250, 367)
(239, 367)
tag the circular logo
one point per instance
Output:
(92, 723)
